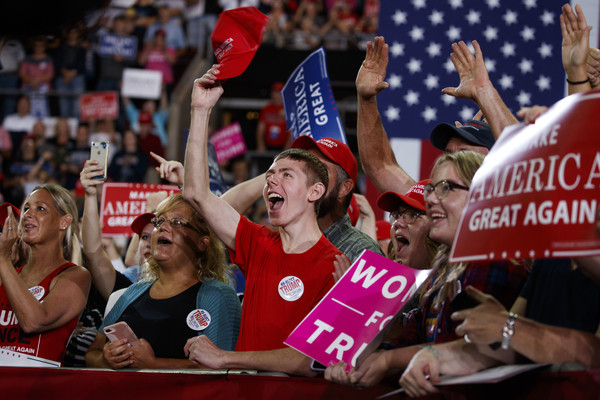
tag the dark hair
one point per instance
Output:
(314, 169)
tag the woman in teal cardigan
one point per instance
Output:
(185, 294)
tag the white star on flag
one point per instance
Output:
(526, 66)
(456, 3)
(449, 67)
(530, 3)
(411, 98)
(545, 50)
(490, 65)
(392, 113)
(414, 66)
(430, 114)
(524, 98)
(448, 100)
(399, 17)
(490, 33)
(436, 17)
(493, 3)
(467, 113)
(395, 81)
(473, 17)
(453, 33)
(508, 49)
(434, 49)
(547, 17)
(417, 33)
(510, 17)
(397, 49)
(419, 4)
(506, 82)
(543, 83)
(528, 33)
(431, 82)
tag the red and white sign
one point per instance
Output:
(228, 142)
(536, 194)
(99, 105)
(122, 202)
(355, 310)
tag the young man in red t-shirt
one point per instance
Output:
(287, 271)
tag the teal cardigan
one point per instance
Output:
(216, 297)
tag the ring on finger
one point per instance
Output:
(10, 229)
(467, 339)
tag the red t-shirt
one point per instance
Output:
(273, 117)
(267, 318)
(50, 345)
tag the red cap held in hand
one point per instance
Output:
(235, 39)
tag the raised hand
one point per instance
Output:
(169, 170)
(575, 43)
(370, 78)
(471, 70)
(91, 168)
(207, 89)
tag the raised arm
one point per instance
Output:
(99, 264)
(221, 217)
(475, 84)
(376, 154)
(575, 47)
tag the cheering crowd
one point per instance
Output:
(174, 287)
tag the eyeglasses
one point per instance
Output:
(174, 222)
(442, 188)
(409, 215)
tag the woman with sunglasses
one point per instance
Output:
(446, 197)
(185, 294)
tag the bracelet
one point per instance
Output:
(508, 330)
(431, 348)
(578, 82)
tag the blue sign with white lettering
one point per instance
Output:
(308, 101)
(125, 46)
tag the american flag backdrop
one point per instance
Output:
(521, 45)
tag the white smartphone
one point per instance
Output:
(99, 152)
(121, 330)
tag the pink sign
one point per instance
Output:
(351, 315)
(228, 142)
(98, 105)
(121, 203)
(536, 194)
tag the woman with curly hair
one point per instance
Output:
(185, 293)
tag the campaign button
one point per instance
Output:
(37, 292)
(291, 288)
(198, 319)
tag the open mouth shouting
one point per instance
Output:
(275, 201)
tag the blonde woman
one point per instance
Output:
(186, 279)
(41, 301)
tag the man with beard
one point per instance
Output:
(333, 218)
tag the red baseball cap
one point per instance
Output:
(382, 227)
(353, 211)
(235, 39)
(389, 201)
(4, 212)
(336, 151)
(138, 224)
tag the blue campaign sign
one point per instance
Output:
(308, 101)
(111, 45)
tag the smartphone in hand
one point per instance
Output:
(99, 152)
(121, 330)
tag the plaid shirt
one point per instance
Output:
(350, 240)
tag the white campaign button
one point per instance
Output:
(198, 319)
(291, 288)
(37, 292)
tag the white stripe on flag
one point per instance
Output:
(408, 155)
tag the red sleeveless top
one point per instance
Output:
(50, 345)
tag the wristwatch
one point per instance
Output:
(508, 330)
